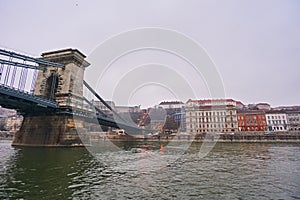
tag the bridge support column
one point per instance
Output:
(53, 130)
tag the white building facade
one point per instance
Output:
(171, 104)
(204, 116)
(293, 118)
(276, 121)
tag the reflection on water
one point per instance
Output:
(231, 171)
(40, 172)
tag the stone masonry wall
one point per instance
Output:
(49, 131)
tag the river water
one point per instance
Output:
(229, 171)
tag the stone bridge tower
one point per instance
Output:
(62, 85)
(56, 82)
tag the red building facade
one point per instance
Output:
(251, 120)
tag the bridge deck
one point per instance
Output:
(12, 98)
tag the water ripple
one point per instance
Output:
(230, 171)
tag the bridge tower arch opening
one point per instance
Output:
(51, 85)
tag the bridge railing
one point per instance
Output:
(74, 102)
(11, 92)
(19, 72)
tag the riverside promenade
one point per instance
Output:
(292, 136)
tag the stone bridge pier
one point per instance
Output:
(51, 127)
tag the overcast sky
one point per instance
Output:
(255, 45)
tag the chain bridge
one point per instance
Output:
(48, 93)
